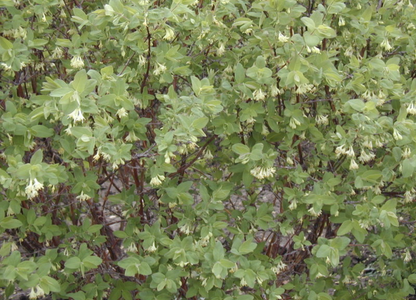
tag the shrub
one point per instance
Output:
(208, 149)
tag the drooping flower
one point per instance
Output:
(83, 197)
(221, 50)
(353, 165)
(77, 62)
(386, 45)
(157, 180)
(411, 109)
(282, 38)
(396, 135)
(408, 256)
(32, 294)
(263, 172)
(322, 120)
(350, 152)
(121, 113)
(259, 95)
(32, 188)
(169, 35)
(76, 115)
(160, 68)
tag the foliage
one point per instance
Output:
(219, 149)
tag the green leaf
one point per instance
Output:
(356, 104)
(80, 81)
(200, 123)
(92, 261)
(196, 85)
(247, 247)
(412, 278)
(326, 31)
(51, 284)
(77, 296)
(73, 263)
(5, 44)
(37, 157)
(240, 149)
(145, 269)
(323, 251)
(10, 223)
(41, 131)
(345, 227)
(407, 168)
(335, 8)
(309, 23)
(37, 43)
(240, 73)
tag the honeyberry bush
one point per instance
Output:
(211, 149)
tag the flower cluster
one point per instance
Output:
(259, 95)
(32, 189)
(83, 197)
(160, 68)
(263, 172)
(39, 293)
(157, 180)
(77, 62)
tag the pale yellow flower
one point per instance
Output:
(77, 62)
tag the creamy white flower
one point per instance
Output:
(411, 109)
(313, 49)
(132, 248)
(304, 88)
(408, 256)
(83, 197)
(76, 115)
(75, 97)
(274, 91)
(282, 38)
(293, 123)
(39, 291)
(263, 172)
(408, 197)
(396, 135)
(208, 154)
(131, 137)
(169, 35)
(243, 282)
(152, 248)
(293, 205)
(340, 150)
(259, 95)
(313, 212)
(386, 45)
(353, 165)
(32, 294)
(221, 50)
(77, 62)
(32, 188)
(366, 157)
(186, 229)
(142, 61)
(57, 53)
(349, 52)
(350, 152)
(341, 22)
(228, 69)
(160, 68)
(157, 180)
(122, 113)
(322, 120)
